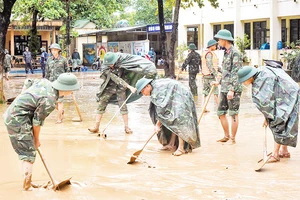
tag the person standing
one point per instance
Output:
(56, 65)
(276, 95)
(27, 113)
(44, 57)
(209, 70)
(231, 89)
(152, 55)
(7, 64)
(117, 72)
(193, 60)
(173, 113)
(28, 60)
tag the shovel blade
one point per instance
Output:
(62, 184)
(75, 119)
(132, 159)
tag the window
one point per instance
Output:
(230, 28)
(259, 34)
(192, 35)
(216, 29)
(21, 42)
(295, 30)
(283, 32)
(247, 27)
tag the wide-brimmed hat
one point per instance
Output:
(141, 84)
(246, 72)
(55, 46)
(110, 58)
(224, 34)
(192, 46)
(66, 82)
(211, 43)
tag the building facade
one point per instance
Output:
(264, 21)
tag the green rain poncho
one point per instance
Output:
(130, 68)
(173, 105)
(276, 95)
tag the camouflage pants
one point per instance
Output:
(22, 140)
(207, 86)
(192, 84)
(232, 105)
(107, 94)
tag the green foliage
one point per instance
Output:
(290, 56)
(34, 43)
(242, 44)
(180, 52)
(200, 3)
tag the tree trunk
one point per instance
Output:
(163, 36)
(171, 55)
(4, 23)
(34, 43)
(68, 40)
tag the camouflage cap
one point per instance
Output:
(110, 58)
(141, 84)
(246, 72)
(66, 82)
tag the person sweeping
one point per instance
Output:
(276, 95)
(173, 113)
(25, 116)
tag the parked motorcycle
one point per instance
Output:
(97, 64)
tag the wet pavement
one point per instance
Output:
(99, 168)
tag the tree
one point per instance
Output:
(5, 13)
(169, 64)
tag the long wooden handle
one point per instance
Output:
(46, 166)
(149, 139)
(179, 72)
(77, 107)
(206, 102)
(265, 154)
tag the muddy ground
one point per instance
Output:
(98, 166)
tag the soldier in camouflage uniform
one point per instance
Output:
(25, 116)
(7, 64)
(115, 81)
(209, 70)
(276, 95)
(56, 65)
(173, 112)
(194, 62)
(231, 89)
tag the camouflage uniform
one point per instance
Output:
(115, 86)
(173, 105)
(55, 67)
(127, 70)
(276, 95)
(232, 62)
(7, 63)
(207, 79)
(194, 62)
(29, 109)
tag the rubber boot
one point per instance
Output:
(95, 129)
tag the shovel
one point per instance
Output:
(56, 185)
(206, 102)
(266, 156)
(137, 153)
(75, 119)
(102, 134)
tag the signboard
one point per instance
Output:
(154, 28)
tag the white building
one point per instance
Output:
(263, 20)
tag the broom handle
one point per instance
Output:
(206, 102)
(117, 111)
(77, 107)
(46, 166)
